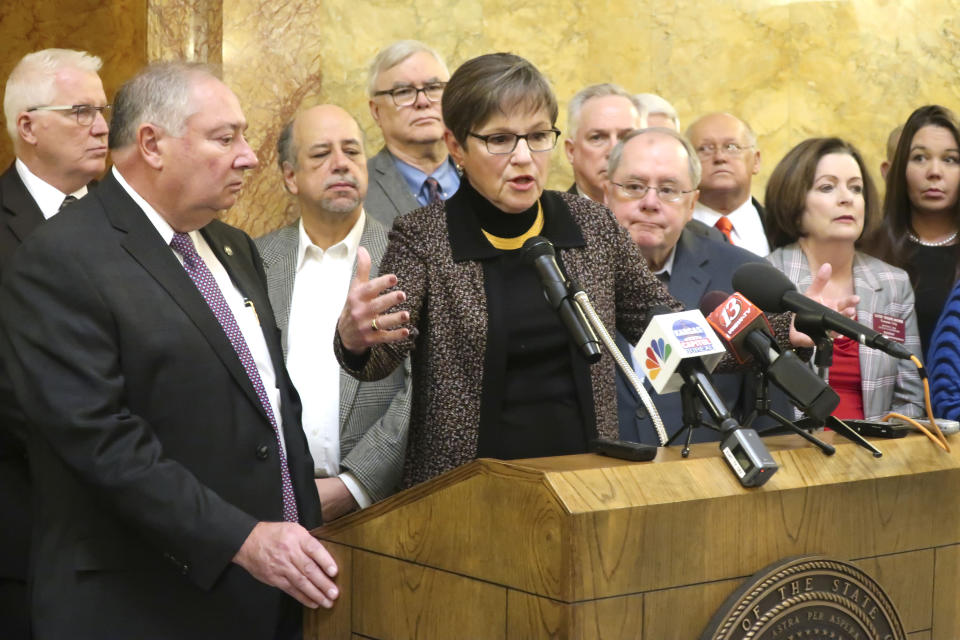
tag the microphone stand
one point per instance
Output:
(580, 296)
(762, 408)
(812, 325)
(692, 418)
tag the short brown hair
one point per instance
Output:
(792, 179)
(490, 83)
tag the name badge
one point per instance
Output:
(890, 326)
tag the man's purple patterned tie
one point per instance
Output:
(197, 270)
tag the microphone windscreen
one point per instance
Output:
(536, 247)
(660, 309)
(711, 300)
(763, 284)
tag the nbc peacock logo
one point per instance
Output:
(657, 354)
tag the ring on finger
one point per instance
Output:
(373, 325)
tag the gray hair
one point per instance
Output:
(654, 104)
(693, 161)
(161, 95)
(393, 55)
(598, 91)
(32, 83)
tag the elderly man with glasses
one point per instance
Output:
(652, 192)
(56, 111)
(727, 148)
(413, 168)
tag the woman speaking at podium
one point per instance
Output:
(494, 372)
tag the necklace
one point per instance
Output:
(937, 243)
(510, 244)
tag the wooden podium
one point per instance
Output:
(591, 547)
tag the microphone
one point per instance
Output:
(735, 318)
(539, 251)
(744, 330)
(774, 292)
(680, 348)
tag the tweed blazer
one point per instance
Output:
(388, 194)
(888, 384)
(374, 416)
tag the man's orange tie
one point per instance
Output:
(725, 227)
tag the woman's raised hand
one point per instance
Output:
(363, 321)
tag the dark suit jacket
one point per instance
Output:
(388, 194)
(19, 216)
(701, 264)
(152, 458)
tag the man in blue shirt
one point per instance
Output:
(413, 168)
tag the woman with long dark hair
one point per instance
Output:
(921, 213)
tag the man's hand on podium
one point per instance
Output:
(286, 556)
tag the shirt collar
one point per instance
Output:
(160, 224)
(446, 174)
(48, 198)
(581, 193)
(667, 267)
(710, 216)
(348, 246)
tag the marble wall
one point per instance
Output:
(115, 30)
(793, 69)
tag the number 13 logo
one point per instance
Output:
(731, 311)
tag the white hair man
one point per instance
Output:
(405, 84)
(357, 437)
(727, 148)
(660, 113)
(598, 116)
(177, 488)
(54, 107)
(55, 111)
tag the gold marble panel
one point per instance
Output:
(115, 30)
(185, 30)
(793, 69)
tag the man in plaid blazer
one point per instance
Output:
(357, 436)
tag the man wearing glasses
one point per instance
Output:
(727, 149)
(413, 168)
(55, 111)
(652, 192)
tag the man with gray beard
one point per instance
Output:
(358, 437)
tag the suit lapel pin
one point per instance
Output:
(227, 250)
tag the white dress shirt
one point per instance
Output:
(319, 291)
(747, 229)
(47, 197)
(246, 316)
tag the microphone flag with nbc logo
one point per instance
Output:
(669, 339)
